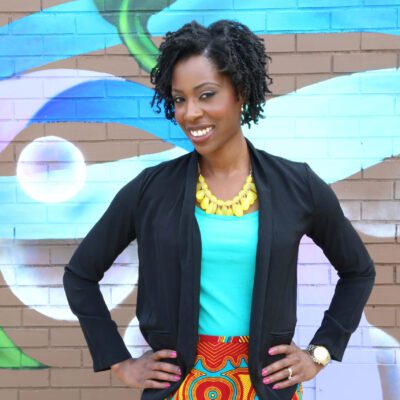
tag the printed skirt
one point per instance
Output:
(221, 372)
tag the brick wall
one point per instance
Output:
(310, 42)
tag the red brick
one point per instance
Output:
(112, 393)
(79, 377)
(66, 336)
(7, 168)
(23, 337)
(384, 253)
(300, 63)
(49, 394)
(282, 85)
(384, 274)
(26, 5)
(108, 151)
(77, 131)
(381, 316)
(389, 169)
(10, 316)
(363, 190)
(156, 146)
(379, 41)
(8, 298)
(117, 131)
(5, 19)
(279, 43)
(310, 79)
(7, 154)
(9, 394)
(118, 65)
(57, 357)
(24, 378)
(385, 295)
(328, 42)
(363, 62)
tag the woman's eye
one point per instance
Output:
(176, 100)
(208, 94)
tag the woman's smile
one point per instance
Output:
(201, 135)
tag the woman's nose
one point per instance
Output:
(193, 110)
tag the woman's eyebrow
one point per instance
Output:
(196, 87)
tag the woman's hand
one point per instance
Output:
(148, 371)
(302, 366)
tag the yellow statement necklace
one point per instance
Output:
(212, 205)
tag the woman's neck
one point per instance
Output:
(233, 158)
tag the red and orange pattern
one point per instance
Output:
(221, 372)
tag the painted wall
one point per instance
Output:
(76, 125)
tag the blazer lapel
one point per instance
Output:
(190, 259)
(265, 231)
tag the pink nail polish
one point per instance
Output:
(167, 385)
(264, 372)
(173, 354)
(271, 351)
(176, 377)
(275, 387)
(267, 380)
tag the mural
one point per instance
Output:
(340, 126)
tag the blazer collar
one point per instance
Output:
(190, 257)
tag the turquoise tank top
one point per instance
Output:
(228, 260)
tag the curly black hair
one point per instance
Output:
(232, 47)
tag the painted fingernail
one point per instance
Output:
(267, 380)
(173, 353)
(179, 372)
(271, 351)
(275, 387)
(176, 377)
(264, 372)
(167, 384)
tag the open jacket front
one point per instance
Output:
(157, 209)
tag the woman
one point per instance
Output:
(218, 232)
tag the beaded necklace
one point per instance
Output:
(212, 205)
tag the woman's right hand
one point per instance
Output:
(148, 371)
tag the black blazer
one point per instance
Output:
(157, 208)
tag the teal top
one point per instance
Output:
(228, 260)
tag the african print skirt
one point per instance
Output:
(220, 372)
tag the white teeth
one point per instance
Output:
(201, 132)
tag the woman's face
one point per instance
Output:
(205, 104)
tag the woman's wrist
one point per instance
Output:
(117, 366)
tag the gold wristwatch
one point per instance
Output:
(319, 354)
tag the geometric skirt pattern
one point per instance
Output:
(220, 372)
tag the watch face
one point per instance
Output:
(320, 353)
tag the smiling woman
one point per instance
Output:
(218, 232)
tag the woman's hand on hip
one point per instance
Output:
(148, 371)
(297, 364)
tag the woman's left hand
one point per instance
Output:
(302, 366)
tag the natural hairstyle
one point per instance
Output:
(234, 50)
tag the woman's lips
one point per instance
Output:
(201, 139)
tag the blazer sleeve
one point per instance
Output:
(94, 256)
(343, 247)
